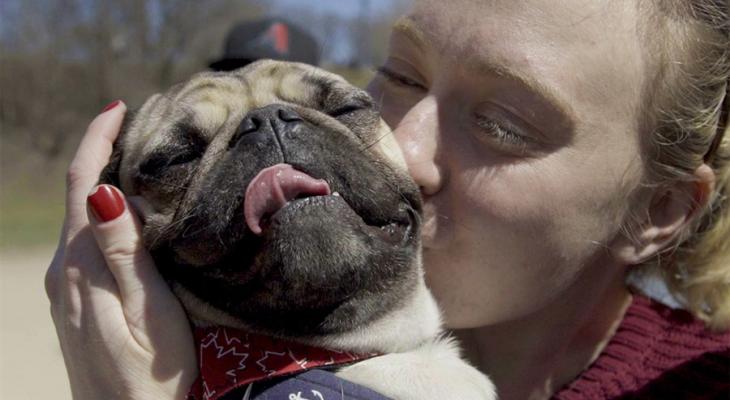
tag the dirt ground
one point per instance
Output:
(31, 366)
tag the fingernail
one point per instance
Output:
(110, 106)
(106, 203)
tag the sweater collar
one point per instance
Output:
(651, 340)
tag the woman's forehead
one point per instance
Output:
(579, 52)
(566, 17)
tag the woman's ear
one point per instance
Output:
(669, 211)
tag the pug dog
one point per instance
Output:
(275, 200)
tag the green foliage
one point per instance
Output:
(32, 197)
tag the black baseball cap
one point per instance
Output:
(273, 38)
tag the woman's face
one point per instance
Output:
(519, 121)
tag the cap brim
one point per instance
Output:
(229, 64)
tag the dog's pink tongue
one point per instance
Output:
(273, 187)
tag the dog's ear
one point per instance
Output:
(110, 173)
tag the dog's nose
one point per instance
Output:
(276, 117)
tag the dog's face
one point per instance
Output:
(276, 197)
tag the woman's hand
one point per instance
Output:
(123, 334)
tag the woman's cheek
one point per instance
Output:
(393, 110)
(394, 104)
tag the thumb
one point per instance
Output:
(146, 298)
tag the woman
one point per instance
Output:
(559, 146)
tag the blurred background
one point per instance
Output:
(61, 62)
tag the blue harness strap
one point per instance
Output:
(317, 385)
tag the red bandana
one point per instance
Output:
(229, 358)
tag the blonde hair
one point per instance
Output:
(689, 103)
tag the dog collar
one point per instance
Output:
(230, 358)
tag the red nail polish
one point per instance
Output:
(111, 105)
(106, 203)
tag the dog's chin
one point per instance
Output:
(318, 267)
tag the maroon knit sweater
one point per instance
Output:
(657, 353)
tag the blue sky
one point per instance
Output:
(337, 50)
(347, 8)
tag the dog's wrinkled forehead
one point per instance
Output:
(214, 103)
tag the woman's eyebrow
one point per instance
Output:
(545, 93)
(409, 27)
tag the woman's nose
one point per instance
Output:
(418, 136)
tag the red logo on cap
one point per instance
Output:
(279, 33)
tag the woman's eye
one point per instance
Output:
(504, 134)
(399, 79)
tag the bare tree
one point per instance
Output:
(61, 60)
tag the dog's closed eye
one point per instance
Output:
(350, 104)
(188, 147)
(159, 162)
(357, 112)
(347, 109)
